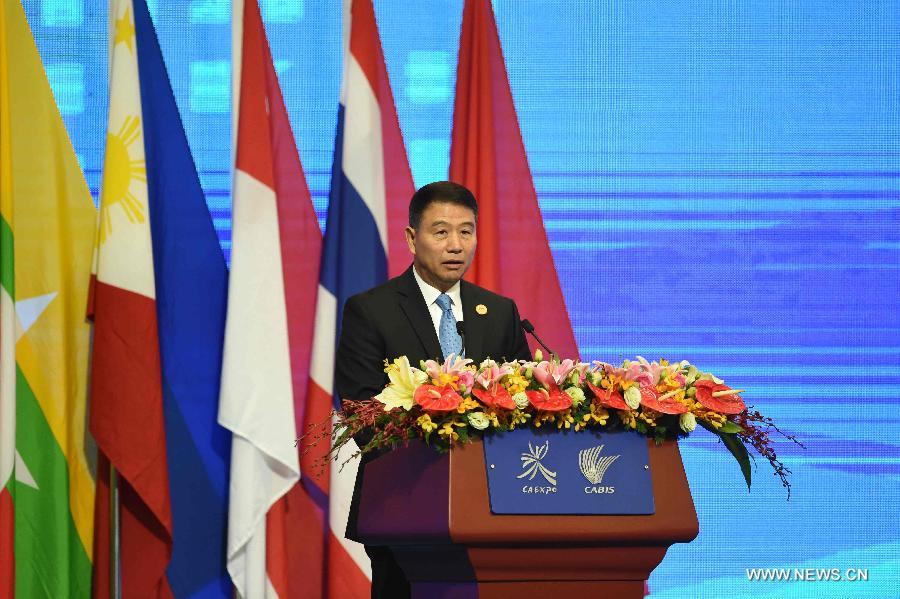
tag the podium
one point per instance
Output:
(433, 511)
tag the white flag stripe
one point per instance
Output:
(363, 156)
(342, 483)
(321, 368)
(257, 391)
(257, 402)
(125, 254)
(7, 387)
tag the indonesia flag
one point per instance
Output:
(276, 246)
(370, 189)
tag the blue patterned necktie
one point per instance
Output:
(451, 342)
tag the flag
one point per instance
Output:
(47, 223)
(191, 288)
(370, 189)
(276, 244)
(487, 155)
(126, 416)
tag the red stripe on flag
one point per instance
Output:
(7, 545)
(126, 419)
(345, 579)
(365, 46)
(488, 156)
(316, 439)
(254, 154)
(295, 546)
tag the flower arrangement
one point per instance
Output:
(450, 403)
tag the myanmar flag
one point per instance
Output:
(46, 239)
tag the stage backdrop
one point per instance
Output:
(720, 182)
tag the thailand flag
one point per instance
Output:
(370, 189)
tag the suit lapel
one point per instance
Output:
(413, 305)
(475, 322)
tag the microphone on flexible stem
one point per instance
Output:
(461, 329)
(529, 328)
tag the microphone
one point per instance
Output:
(461, 330)
(529, 328)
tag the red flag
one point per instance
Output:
(487, 155)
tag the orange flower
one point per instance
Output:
(650, 398)
(553, 400)
(608, 398)
(499, 397)
(723, 404)
(436, 399)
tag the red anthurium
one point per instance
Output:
(553, 400)
(497, 398)
(723, 404)
(650, 398)
(435, 399)
(608, 398)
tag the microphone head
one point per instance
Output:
(461, 328)
(529, 328)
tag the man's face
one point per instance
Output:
(444, 243)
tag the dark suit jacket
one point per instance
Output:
(392, 320)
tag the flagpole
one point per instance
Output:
(115, 579)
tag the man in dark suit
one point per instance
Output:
(415, 315)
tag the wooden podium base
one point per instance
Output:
(558, 589)
(433, 511)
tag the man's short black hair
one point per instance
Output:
(439, 191)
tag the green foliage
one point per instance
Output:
(735, 446)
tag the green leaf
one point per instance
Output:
(735, 446)
(463, 433)
(731, 427)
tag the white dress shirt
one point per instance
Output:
(431, 294)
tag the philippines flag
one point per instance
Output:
(126, 410)
(370, 189)
(276, 246)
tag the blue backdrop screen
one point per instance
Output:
(720, 182)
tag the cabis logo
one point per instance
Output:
(532, 466)
(594, 466)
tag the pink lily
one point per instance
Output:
(552, 374)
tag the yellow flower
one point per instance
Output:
(544, 417)
(467, 404)
(713, 418)
(598, 415)
(516, 383)
(492, 417)
(518, 417)
(628, 419)
(446, 430)
(565, 419)
(425, 423)
(648, 418)
(404, 380)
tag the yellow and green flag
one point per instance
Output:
(46, 237)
